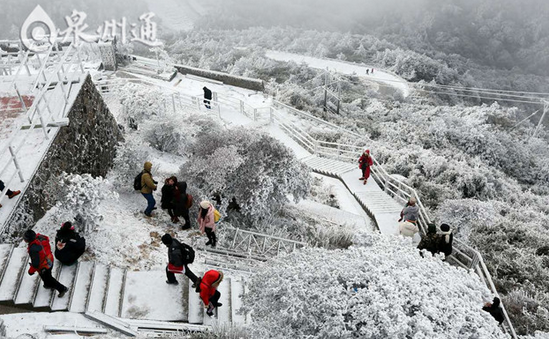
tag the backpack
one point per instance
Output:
(46, 248)
(189, 201)
(217, 216)
(137, 182)
(188, 254)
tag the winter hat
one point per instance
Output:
(444, 227)
(167, 239)
(496, 302)
(148, 166)
(29, 236)
(205, 204)
(367, 151)
(67, 225)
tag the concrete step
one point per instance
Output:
(224, 312)
(27, 287)
(12, 274)
(148, 297)
(44, 296)
(196, 307)
(115, 292)
(81, 288)
(5, 251)
(98, 289)
(66, 277)
(237, 291)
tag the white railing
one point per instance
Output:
(258, 244)
(43, 113)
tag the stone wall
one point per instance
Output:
(234, 80)
(86, 145)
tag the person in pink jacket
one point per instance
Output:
(206, 221)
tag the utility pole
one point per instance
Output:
(326, 89)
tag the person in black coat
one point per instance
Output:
(207, 97)
(446, 238)
(179, 257)
(494, 309)
(69, 245)
(166, 202)
(180, 202)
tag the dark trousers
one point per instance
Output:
(2, 186)
(188, 273)
(211, 235)
(49, 281)
(150, 203)
(214, 299)
(185, 216)
(207, 103)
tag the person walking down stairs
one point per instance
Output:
(208, 290)
(446, 239)
(179, 257)
(148, 185)
(206, 221)
(494, 310)
(11, 194)
(207, 97)
(364, 163)
(41, 260)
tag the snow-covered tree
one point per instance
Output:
(381, 289)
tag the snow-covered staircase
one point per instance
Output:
(100, 289)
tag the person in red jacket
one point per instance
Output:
(41, 260)
(364, 163)
(208, 290)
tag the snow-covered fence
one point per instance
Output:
(258, 244)
(46, 111)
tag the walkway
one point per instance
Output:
(344, 68)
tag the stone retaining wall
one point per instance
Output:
(234, 80)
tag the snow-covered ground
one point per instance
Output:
(344, 68)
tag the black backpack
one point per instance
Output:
(137, 182)
(188, 254)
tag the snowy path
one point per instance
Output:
(344, 68)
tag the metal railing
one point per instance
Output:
(44, 113)
(258, 244)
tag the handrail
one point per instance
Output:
(13, 145)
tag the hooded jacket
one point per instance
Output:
(208, 285)
(147, 182)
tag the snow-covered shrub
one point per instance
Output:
(130, 157)
(255, 169)
(79, 197)
(168, 135)
(323, 193)
(139, 102)
(381, 290)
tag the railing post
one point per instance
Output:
(271, 109)
(16, 163)
(255, 114)
(241, 106)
